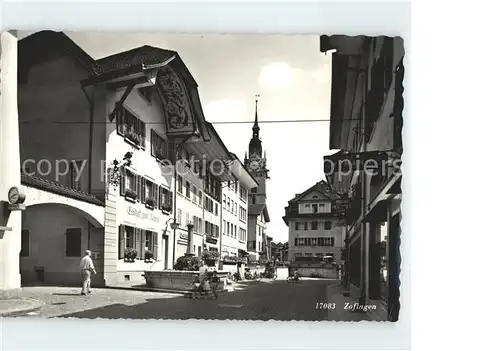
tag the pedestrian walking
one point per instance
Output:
(86, 269)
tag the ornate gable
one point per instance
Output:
(176, 103)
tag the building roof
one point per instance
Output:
(37, 46)
(56, 188)
(258, 209)
(321, 187)
(144, 55)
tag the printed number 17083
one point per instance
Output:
(325, 306)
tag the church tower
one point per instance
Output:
(255, 162)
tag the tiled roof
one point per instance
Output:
(146, 55)
(321, 187)
(56, 188)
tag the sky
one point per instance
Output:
(292, 78)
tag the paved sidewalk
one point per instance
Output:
(16, 307)
(340, 312)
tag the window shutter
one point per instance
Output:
(143, 134)
(153, 143)
(121, 241)
(155, 245)
(142, 183)
(122, 180)
(137, 241)
(137, 182)
(142, 243)
(156, 194)
(170, 196)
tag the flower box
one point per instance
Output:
(148, 256)
(150, 202)
(166, 208)
(134, 137)
(130, 254)
(160, 154)
(131, 194)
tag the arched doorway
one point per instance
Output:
(53, 240)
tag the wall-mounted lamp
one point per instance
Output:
(114, 174)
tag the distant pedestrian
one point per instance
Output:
(86, 269)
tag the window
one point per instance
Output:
(75, 172)
(224, 227)
(166, 198)
(328, 225)
(200, 225)
(243, 214)
(200, 198)
(314, 225)
(146, 93)
(315, 208)
(149, 193)
(224, 202)
(228, 232)
(297, 225)
(332, 243)
(188, 190)
(306, 226)
(130, 127)
(260, 246)
(179, 216)
(25, 243)
(187, 219)
(138, 239)
(160, 148)
(253, 200)
(194, 192)
(129, 184)
(243, 194)
(322, 208)
(74, 242)
(148, 241)
(254, 190)
(179, 184)
(129, 237)
(216, 209)
(209, 204)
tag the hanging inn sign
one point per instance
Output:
(339, 208)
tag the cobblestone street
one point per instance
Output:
(278, 300)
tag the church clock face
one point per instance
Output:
(254, 165)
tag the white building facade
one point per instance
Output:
(120, 109)
(314, 233)
(235, 220)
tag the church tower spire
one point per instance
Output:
(255, 146)
(256, 127)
